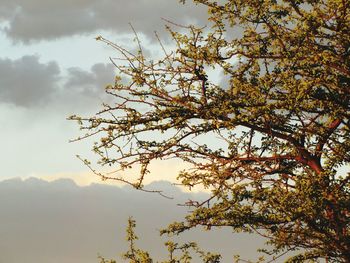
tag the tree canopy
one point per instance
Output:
(271, 140)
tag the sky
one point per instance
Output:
(51, 67)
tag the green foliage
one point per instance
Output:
(134, 255)
(273, 144)
(177, 253)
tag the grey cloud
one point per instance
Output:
(61, 222)
(26, 81)
(97, 78)
(6, 12)
(85, 88)
(37, 20)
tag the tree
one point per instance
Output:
(272, 144)
(177, 253)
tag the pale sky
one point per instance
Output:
(51, 67)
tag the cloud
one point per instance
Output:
(27, 82)
(95, 79)
(39, 20)
(61, 222)
(84, 88)
(35, 99)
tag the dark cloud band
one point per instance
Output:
(37, 20)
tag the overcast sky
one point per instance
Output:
(51, 67)
(59, 222)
